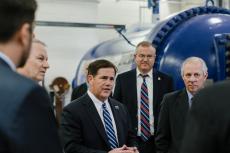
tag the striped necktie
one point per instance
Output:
(109, 127)
(144, 117)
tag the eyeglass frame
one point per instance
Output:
(149, 57)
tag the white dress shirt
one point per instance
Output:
(98, 105)
(190, 96)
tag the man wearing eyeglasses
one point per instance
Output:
(142, 90)
(175, 106)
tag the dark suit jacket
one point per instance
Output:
(171, 122)
(79, 91)
(208, 125)
(83, 131)
(27, 122)
(126, 92)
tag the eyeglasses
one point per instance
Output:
(149, 57)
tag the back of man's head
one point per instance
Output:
(13, 14)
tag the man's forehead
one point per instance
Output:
(105, 71)
(193, 70)
(144, 49)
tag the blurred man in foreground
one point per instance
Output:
(27, 123)
(208, 126)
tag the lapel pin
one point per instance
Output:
(159, 78)
(117, 107)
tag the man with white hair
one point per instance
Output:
(37, 62)
(175, 106)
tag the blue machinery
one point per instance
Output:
(200, 31)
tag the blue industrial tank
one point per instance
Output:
(116, 50)
(200, 31)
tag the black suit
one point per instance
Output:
(79, 91)
(27, 122)
(208, 126)
(83, 131)
(171, 123)
(126, 92)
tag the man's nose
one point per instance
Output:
(46, 64)
(109, 82)
(192, 78)
(145, 58)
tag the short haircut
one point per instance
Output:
(13, 14)
(144, 44)
(98, 64)
(193, 58)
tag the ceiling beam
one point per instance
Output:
(78, 24)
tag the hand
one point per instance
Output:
(134, 149)
(125, 149)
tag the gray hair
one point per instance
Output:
(193, 58)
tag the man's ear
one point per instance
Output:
(206, 75)
(24, 34)
(89, 78)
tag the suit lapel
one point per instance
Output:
(133, 89)
(115, 110)
(93, 114)
(183, 106)
(156, 88)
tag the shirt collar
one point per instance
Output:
(150, 73)
(189, 95)
(8, 61)
(95, 100)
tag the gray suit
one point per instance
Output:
(171, 122)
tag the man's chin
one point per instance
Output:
(106, 95)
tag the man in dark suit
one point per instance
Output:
(79, 91)
(27, 123)
(208, 126)
(128, 91)
(175, 106)
(96, 123)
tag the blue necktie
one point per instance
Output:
(145, 124)
(109, 128)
